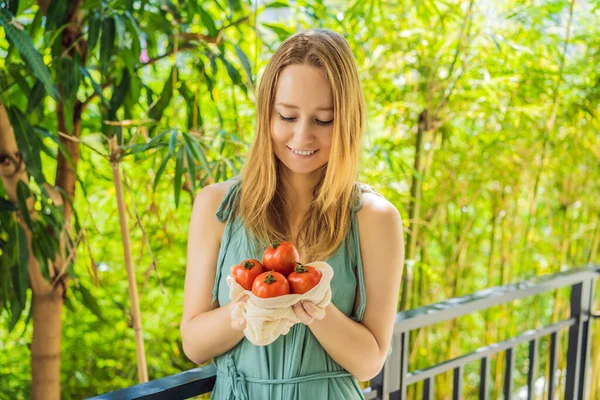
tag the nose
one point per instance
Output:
(303, 134)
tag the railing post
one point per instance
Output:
(578, 349)
(388, 380)
(585, 376)
(404, 352)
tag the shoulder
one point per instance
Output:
(378, 218)
(209, 198)
(374, 204)
(214, 193)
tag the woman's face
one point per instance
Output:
(302, 119)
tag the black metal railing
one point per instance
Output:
(395, 377)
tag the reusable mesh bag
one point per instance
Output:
(268, 318)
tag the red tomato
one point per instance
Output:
(270, 284)
(304, 278)
(246, 271)
(281, 257)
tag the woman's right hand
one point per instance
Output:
(237, 310)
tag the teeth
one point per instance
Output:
(302, 153)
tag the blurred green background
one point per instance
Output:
(483, 129)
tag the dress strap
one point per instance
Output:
(359, 188)
(229, 201)
(354, 236)
(224, 212)
(237, 380)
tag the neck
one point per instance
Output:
(298, 188)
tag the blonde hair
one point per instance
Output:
(262, 203)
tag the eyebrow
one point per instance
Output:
(286, 105)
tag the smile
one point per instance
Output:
(302, 154)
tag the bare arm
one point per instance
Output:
(206, 329)
(361, 348)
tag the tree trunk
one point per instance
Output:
(45, 346)
(47, 300)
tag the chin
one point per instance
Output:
(293, 167)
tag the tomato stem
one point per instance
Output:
(275, 244)
(248, 264)
(300, 268)
(269, 278)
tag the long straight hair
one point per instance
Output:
(262, 202)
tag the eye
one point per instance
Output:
(324, 123)
(291, 119)
(285, 118)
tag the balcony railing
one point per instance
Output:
(395, 376)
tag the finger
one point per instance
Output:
(313, 310)
(238, 324)
(231, 269)
(302, 315)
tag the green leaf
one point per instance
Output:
(95, 85)
(193, 155)
(68, 113)
(7, 205)
(160, 171)
(88, 300)
(200, 155)
(134, 23)
(15, 310)
(119, 93)
(13, 6)
(178, 175)
(233, 73)
(132, 97)
(155, 142)
(36, 96)
(277, 4)
(107, 44)
(165, 98)
(61, 146)
(192, 106)
(15, 72)
(94, 24)
(172, 142)
(136, 33)
(70, 77)
(245, 63)
(19, 272)
(29, 53)
(28, 143)
(208, 22)
(281, 31)
(120, 30)
(234, 5)
(23, 194)
(57, 11)
(191, 161)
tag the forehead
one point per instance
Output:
(303, 86)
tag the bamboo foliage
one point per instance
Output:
(502, 186)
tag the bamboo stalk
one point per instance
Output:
(595, 242)
(142, 368)
(414, 211)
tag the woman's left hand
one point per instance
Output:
(307, 312)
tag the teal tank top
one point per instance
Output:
(295, 366)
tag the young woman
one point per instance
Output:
(298, 184)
